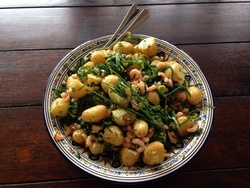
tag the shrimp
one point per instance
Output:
(185, 111)
(140, 144)
(160, 65)
(174, 105)
(129, 127)
(85, 136)
(172, 137)
(96, 128)
(65, 96)
(95, 88)
(89, 140)
(58, 136)
(165, 127)
(182, 96)
(141, 85)
(134, 104)
(169, 82)
(151, 132)
(127, 142)
(193, 129)
(145, 77)
(165, 78)
(145, 139)
(140, 149)
(69, 129)
(135, 74)
(109, 112)
(130, 135)
(151, 88)
(179, 114)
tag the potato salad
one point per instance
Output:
(130, 104)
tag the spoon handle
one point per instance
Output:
(130, 14)
(143, 16)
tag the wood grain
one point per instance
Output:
(36, 35)
(204, 179)
(87, 3)
(20, 67)
(69, 27)
(29, 155)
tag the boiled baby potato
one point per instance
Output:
(194, 95)
(93, 79)
(124, 47)
(122, 117)
(95, 114)
(110, 80)
(96, 148)
(140, 128)
(78, 136)
(176, 72)
(98, 57)
(59, 108)
(113, 135)
(75, 87)
(153, 97)
(184, 125)
(129, 157)
(148, 46)
(154, 153)
(117, 99)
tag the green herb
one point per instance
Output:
(157, 116)
(57, 92)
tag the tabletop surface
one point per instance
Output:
(36, 35)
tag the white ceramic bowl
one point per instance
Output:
(123, 174)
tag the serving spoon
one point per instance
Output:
(133, 11)
(142, 16)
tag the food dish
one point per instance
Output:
(182, 152)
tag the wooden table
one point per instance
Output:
(35, 36)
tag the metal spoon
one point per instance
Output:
(143, 16)
(130, 14)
